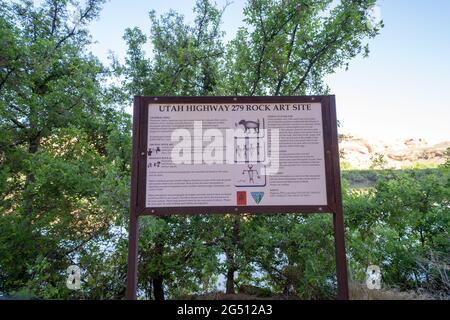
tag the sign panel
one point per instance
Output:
(242, 154)
(235, 154)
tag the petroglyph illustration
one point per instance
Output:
(248, 125)
(250, 177)
(251, 143)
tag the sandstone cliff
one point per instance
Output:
(360, 153)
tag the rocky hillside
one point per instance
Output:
(360, 153)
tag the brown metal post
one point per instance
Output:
(341, 260)
(132, 257)
(134, 217)
(338, 212)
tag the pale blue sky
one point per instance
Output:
(402, 90)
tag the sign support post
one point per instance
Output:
(132, 258)
(338, 212)
(134, 212)
(341, 261)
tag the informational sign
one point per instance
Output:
(249, 154)
(241, 155)
(200, 155)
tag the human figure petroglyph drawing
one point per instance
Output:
(251, 173)
(241, 152)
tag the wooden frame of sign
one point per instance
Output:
(332, 202)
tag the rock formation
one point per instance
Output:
(362, 153)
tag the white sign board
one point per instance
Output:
(258, 154)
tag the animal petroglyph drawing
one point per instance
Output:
(248, 125)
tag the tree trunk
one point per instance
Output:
(158, 288)
(230, 281)
(158, 280)
(33, 147)
(230, 255)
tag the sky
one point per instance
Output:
(402, 90)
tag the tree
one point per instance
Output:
(59, 127)
(285, 48)
(402, 224)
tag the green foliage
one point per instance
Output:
(64, 146)
(186, 58)
(287, 47)
(179, 251)
(378, 161)
(398, 224)
(294, 254)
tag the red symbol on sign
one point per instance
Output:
(241, 198)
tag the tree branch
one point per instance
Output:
(72, 32)
(312, 62)
(55, 16)
(17, 123)
(3, 82)
(291, 48)
(266, 40)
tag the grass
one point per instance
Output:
(358, 179)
